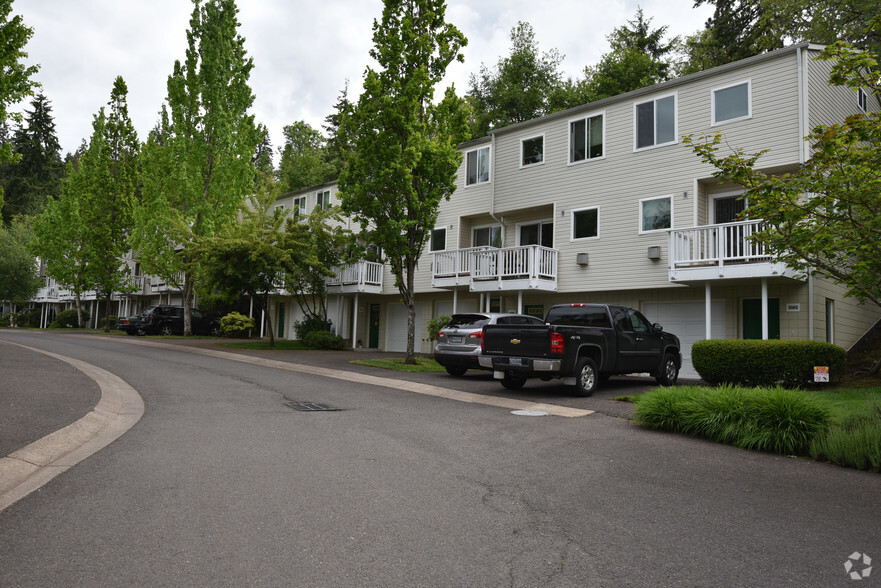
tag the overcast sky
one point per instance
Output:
(303, 51)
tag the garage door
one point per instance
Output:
(445, 307)
(396, 333)
(686, 321)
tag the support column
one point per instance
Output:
(708, 311)
(520, 302)
(764, 308)
(455, 299)
(355, 322)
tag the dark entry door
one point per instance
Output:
(373, 338)
(752, 318)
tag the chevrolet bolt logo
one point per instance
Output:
(515, 341)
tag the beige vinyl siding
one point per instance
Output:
(826, 104)
(852, 319)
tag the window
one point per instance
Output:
(299, 207)
(655, 214)
(438, 239)
(732, 103)
(477, 166)
(487, 237)
(656, 122)
(532, 151)
(586, 223)
(537, 234)
(863, 99)
(586, 138)
(323, 200)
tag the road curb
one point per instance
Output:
(29, 468)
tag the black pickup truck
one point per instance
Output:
(583, 344)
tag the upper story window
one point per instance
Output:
(655, 122)
(299, 207)
(487, 236)
(477, 166)
(586, 138)
(323, 200)
(438, 239)
(541, 233)
(532, 151)
(586, 223)
(732, 102)
(863, 99)
(655, 214)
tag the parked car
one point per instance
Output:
(169, 320)
(128, 324)
(458, 342)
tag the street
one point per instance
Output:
(222, 483)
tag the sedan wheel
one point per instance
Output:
(166, 330)
(456, 371)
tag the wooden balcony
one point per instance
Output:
(361, 276)
(490, 269)
(723, 251)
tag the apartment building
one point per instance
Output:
(605, 203)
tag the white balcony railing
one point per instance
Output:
(528, 266)
(717, 245)
(361, 276)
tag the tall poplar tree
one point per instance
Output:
(15, 77)
(405, 158)
(198, 166)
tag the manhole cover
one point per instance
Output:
(530, 412)
(310, 406)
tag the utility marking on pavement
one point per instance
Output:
(529, 412)
(311, 406)
(32, 466)
(406, 385)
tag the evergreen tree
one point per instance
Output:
(337, 147)
(405, 145)
(198, 165)
(36, 175)
(263, 155)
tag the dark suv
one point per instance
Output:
(169, 320)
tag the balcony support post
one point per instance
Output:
(520, 302)
(455, 299)
(355, 322)
(708, 312)
(764, 308)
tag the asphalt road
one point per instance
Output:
(221, 483)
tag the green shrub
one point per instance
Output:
(110, 320)
(310, 324)
(7, 320)
(856, 443)
(435, 325)
(67, 319)
(775, 420)
(322, 340)
(765, 362)
(236, 325)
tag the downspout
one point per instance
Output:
(492, 176)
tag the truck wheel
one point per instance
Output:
(586, 377)
(513, 381)
(669, 371)
(456, 371)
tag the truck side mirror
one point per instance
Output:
(657, 328)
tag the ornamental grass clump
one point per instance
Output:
(855, 443)
(775, 420)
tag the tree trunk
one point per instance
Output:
(107, 308)
(408, 297)
(79, 309)
(268, 320)
(188, 305)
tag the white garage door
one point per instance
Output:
(686, 321)
(445, 307)
(396, 331)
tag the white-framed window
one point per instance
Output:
(322, 201)
(438, 239)
(536, 233)
(586, 223)
(477, 166)
(490, 236)
(863, 100)
(733, 102)
(586, 138)
(655, 214)
(655, 122)
(532, 151)
(299, 207)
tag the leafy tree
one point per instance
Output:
(36, 176)
(303, 158)
(15, 77)
(61, 237)
(110, 167)
(826, 216)
(827, 21)
(198, 164)
(405, 159)
(19, 279)
(639, 57)
(521, 86)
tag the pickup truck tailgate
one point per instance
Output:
(516, 340)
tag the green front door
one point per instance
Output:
(373, 339)
(752, 318)
(281, 325)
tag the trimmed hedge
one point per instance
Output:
(765, 362)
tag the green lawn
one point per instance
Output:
(423, 364)
(280, 345)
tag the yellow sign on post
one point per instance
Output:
(821, 373)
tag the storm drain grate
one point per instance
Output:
(310, 406)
